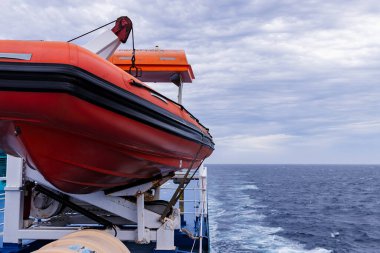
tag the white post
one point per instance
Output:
(157, 193)
(180, 87)
(203, 204)
(14, 200)
(203, 177)
(142, 233)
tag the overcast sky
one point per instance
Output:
(276, 81)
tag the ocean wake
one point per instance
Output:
(237, 226)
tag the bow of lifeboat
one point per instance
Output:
(88, 125)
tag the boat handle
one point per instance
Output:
(135, 71)
(159, 97)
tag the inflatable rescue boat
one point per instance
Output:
(76, 115)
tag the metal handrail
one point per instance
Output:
(2, 197)
(200, 205)
(197, 202)
(174, 188)
(202, 209)
(191, 200)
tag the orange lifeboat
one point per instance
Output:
(88, 125)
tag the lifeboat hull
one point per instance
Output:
(85, 134)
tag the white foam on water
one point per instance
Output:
(245, 232)
(295, 250)
(215, 211)
(248, 187)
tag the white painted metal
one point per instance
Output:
(176, 216)
(165, 236)
(203, 180)
(203, 204)
(142, 233)
(181, 174)
(180, 89)
(133, 191)
(53, 233)
(149, 227)
(115, 205)
(157, 193)
(14, 200)
(104, 45)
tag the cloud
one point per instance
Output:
(286, 81)
(250, 143)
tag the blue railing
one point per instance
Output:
(3, 159)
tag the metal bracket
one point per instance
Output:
(133, 191)
(149, 228)
(165, 236)
(116, 205)
(104, 45)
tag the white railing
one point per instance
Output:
(203, 209)
(2, 198)
(199, 199)
(197, 202)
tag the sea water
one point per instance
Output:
(294, 208)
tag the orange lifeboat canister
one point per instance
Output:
(156, 65)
